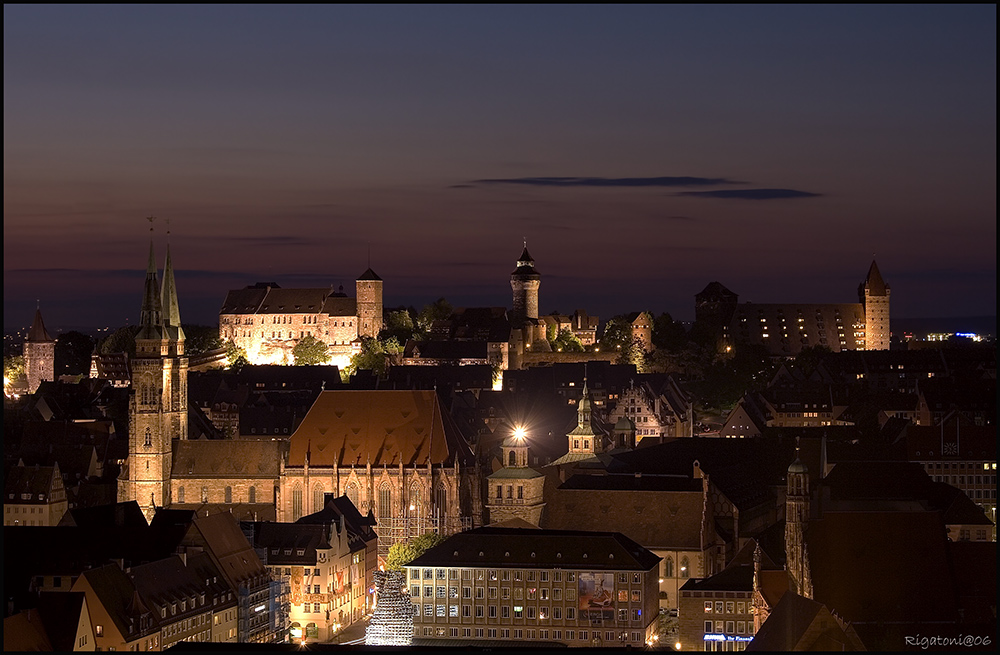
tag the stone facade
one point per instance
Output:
(874, 296)
(267, 321)
(515, 491)
(158, 412)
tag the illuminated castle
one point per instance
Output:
(267, 321)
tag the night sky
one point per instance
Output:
(642, 152)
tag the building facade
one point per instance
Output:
(395, 453)
(573, 588)
(785, 329)
(267, 321)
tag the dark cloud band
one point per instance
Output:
(685, 181)
(751, 194)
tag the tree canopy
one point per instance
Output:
(567, 342)
(438, 310)
(200, 339)
(373, 354)
(402, 553)
(236, 356)
(72, 353)
(310, 351)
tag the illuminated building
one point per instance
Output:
(515, 490)
(785, 329)
(392, 620)
(267, 321)
(534, 587)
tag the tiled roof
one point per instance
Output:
(652, 517)
(512, 547)
(876, 285)
(61, 613)
(226, 458)
(384, 428)
(38, 332)
(369, 274)
(29, 484)
(117, 593)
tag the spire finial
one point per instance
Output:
(369, 254)
(150, 219)
(168, 229)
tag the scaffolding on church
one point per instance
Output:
(404, 528)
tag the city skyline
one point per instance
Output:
(642, 152)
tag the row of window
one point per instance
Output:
(519, 593)
(506, 575)
(521, 633)
(729, 627)
(730, 607)
(514, 611)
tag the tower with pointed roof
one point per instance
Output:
(524, 282)
(796, 518)
(874, 296)
(516, 489)
(369, 291)
(158, 399)
(39, 354)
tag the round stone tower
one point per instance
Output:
(39, 354)
(524, 281)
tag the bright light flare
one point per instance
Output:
(520, 433)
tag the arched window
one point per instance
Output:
(149, 438)
(668, 567)
(352, 494)
(415, 508)
(512, 460)
(441, 500)
(317, 500)
(385, 501)
(252, 496)
(229, 494)
(685, 568)
(296, 503)
(180, 494)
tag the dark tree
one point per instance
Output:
(668, 334)
(73, 351)
(439, 310)
(121, 340)
(200, 339)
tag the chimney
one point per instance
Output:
(697, 469)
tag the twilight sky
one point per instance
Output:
(642, 151)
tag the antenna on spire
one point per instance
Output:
(369, 254)
(151, 219)
(168, 229)
(38, 303)
(525, 241)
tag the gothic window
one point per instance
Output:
(229, 494)
(352, 493)
(685, 568)
(512, 460)
(668, 567)
(415, 508)
(441, 500)
(317, 498)
(296, 503)
(385, 501)
(252, 498)
(180, 494)
(520, 492)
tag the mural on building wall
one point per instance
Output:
(596, 593)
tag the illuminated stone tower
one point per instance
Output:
(516, 489)
(796, 518)
(158, 399)
(524, 281)
(369, 290)
(39, 354)
(874, 296)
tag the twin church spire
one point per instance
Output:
(160, 317)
